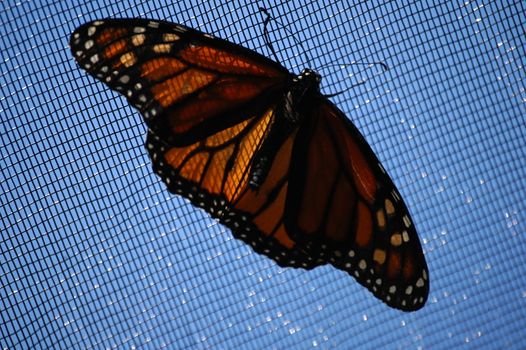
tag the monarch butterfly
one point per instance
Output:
(261, 150)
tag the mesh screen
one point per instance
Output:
(95, 253)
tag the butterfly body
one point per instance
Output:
(303, 91)
(262, 151)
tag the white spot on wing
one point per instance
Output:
(124, 79)
(407, 221)
(92, 30)
(180, 28)
(362, 264)
(405, 236)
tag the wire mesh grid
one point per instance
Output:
(97, 254)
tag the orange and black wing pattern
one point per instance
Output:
(262, 151)
(186, 84)
(343, 205)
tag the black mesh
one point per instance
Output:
(95, 253)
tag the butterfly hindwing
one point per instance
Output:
(344, 207)
(217, 180)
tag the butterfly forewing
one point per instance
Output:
(183, 81)
(210, 106)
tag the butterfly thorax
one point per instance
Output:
(298, 99)
(299, 95)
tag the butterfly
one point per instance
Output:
(262, 151)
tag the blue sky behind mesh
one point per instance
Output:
(95, 253)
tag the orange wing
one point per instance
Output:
(188, 85)
(214, 174)
(343, 205)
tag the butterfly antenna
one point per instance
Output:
(384, 66)
(267, 36)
